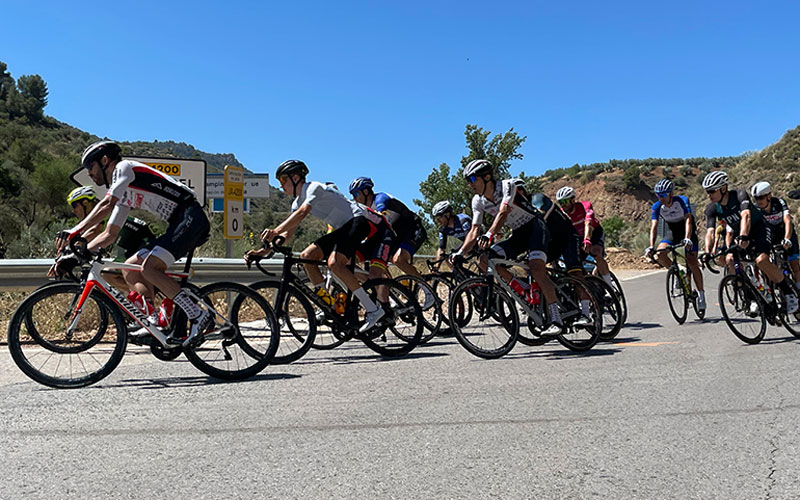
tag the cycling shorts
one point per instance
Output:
(532, 237)
(413, 238)
(187, 230)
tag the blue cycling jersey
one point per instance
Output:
(461, 226)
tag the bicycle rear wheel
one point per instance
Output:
(296, 322)
(620, 296)
(742, 308)
(400, 330)
(612, 309)
(491, 331)
(569, 292)
(50, 354)
(244, 336)
(791, 322)
(430, 304)
(676, 296)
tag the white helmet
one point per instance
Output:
(565, 193)
(715, 180)
(441, 208)
(478, 168)
(760, 189)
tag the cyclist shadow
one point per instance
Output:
(369, 358)
(563, 354)
(640, 325)
(779, 340)
(194, 381)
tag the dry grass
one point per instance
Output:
(8, 304)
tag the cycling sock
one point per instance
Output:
(185, 302)
(367, 302)
(607, 278)
(555, 314)
(701, 294)
(786, 286)
(585, 307)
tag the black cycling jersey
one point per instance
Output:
(731, 212)
(399, 216)
(774, 214)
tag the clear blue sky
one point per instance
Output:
(385, 89)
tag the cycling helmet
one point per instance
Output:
(760, 189)
(441, 208)
(291, 167)
(81, 193)
(664, 186)
(715, 180)
(478, 168)
(360, 183)
(565, 193)
(99, 149)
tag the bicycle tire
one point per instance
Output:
(252, 350)
(431, 315)
(577, 338)
(612, 309)
(736, 294)
(106, 357)
(296, 323)
(676, 296)
(700, 313)
(388, 337)
(621, 296)
(505, 328)
(791, 322)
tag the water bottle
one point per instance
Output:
(519, 286)
(165, 313)
(141, 303)
(325, 296)
(341, 299)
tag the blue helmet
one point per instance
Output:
(359, 184)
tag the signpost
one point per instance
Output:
(255, 186)
(234, 201)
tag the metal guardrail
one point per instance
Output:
(17, 275)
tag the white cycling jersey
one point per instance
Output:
(505, 193)
(330, 205)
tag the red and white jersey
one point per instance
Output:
(581, 212)
(135, 185)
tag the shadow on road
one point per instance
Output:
(639, 325)
(178, 382)
(779, 340)
(562, 354)
(369, 358)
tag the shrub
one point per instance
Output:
(613, 227)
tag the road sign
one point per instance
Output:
(234, 202)
(189, 172)
(255, 186)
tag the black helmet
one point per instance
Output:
(98, 150)
(290, 167)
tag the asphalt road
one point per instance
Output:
(663, 412)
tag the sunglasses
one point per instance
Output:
(283, 178)
(472, 178)
(564, 202)
(711, 191)
(763, 197)
(663, 195)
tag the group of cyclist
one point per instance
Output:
(380, 229)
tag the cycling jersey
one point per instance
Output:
(135, 185)
(505, 193)
(674, 216)
(462, 223)
(581, 212)
(399, 216)
(738, 200)
(330, 205)
(774, 214)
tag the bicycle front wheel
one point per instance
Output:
(45, 348)
(570, 292)
(296, 321)
(492, 329)
(742, 308)
(400, 329)
(676, 296)
(610, 305)
(429, 303)
(244, 337)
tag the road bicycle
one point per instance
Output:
(590, 268)
(74, 334)
(493, 327)
(679, 286)
(396, 334)
(749, 300)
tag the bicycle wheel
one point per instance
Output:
(612, 310)
(487, 334)
(429, 302)
(621, 296)
(52, 354)
(400, 330)
(700, 313)
(742, 308)
(570, 291)
(676, 296)
(791, 322)
(244, 336)
(296, 323)
(533, 335)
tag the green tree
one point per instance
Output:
(630, 178)
(613, 227)
(33, 92)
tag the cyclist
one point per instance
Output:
(746, 226)
(779, 220)
(133, 235)
(457, 226)
(354, 225)
(530, 232)
(583, 219)
(676, 212)
(135, 185)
